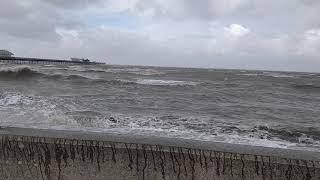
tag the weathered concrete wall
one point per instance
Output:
(30, 154)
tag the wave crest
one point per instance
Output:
(20, 72)
(156, 82)
(309, 87)
(307, 136)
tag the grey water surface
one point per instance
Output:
(264, 108)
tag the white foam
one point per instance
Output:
(250, 74)
(277, 75)
(10, 99)
(157, 82)
(85, 69)
(269, 74)
(157, 127)
(76, 68)
(87, 76)
(37, 111)
(138, 71)
(53, 68)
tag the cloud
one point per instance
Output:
(310, 44)
(236, 30)
(229, 33)
(13, 10)
(73, 3)
(312, 35)
(69, 38)
(185, 9)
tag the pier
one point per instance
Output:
(27, 60)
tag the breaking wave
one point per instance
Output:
(307, 136)
(137, 71)
(19, 72)
(306, 86)
(24, 72)
(268, 74)
(277, 75)
(157, 82)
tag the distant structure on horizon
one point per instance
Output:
(8, 57)
(79, 60)
(5, 53)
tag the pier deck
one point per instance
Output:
(26, 60)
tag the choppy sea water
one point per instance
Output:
(275, 109)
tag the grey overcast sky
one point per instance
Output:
(246, 34)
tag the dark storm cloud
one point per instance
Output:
(12, 10)
(311, 2)
(73, 3)
(32, 19)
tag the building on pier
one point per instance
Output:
(86, 60)
(76, 59)
(80, 60)
(5, 53)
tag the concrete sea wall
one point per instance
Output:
(31, 154)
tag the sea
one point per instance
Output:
(261, 108)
